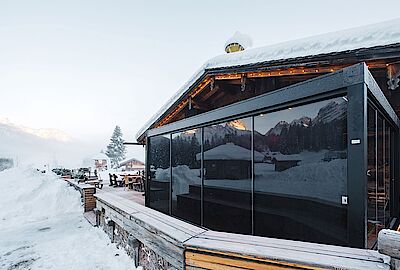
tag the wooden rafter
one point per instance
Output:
(182, 105)
(272, 72)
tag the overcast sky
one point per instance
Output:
(85, 66)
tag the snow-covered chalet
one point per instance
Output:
(304, 139)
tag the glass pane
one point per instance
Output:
(387, 174)
(159, 182)
(380, 174)
(227, 176)
(186, 178)
(301, 172)
(372, 173)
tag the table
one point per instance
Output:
(96, 183)
(136, 180)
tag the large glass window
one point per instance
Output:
(300, 181)
(281, 174)
(227, 176)
(186, 175)
(159, 172)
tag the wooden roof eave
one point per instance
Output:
(336, 58)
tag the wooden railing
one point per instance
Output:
(163, 242)
(389, 244)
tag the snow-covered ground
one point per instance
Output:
(42, 227)
(312, 178)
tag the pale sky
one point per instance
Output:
(85, 66)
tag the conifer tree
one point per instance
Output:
(116, 148)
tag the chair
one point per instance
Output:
(111, 180)
(127, 182)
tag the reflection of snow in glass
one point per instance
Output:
(183, 177)
(312, 178)
(229, 151)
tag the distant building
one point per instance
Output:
(284, 162)
(131, 164)
(228, 161)
(101, 161)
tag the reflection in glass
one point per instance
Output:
(380, 195)
(186, 178)
(159, 170)
(303, 173)
(387, 174)
(380, 173)
(227, 176)
(372, 176)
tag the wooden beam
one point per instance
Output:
(210, 93)
(181, 105)
(133, 143)
(270, 71)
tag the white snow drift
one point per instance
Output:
(42, 227)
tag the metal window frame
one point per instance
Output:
(357, 83)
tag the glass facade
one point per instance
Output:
(159, 173)
(228, 176)
(380, 173)
(186, 175)
(281, 174)
(303, 174)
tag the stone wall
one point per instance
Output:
(140, 253)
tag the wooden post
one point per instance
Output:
(89, 201)
(389, 244)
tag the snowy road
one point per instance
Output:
(42, 227)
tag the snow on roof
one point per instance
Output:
(123, 162)
(379, 34)
(230, 151)
(241, 39)
(281, 157)
(100, 156)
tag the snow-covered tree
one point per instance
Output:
(116, 149)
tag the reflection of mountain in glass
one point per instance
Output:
(325, 131)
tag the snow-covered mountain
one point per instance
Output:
(45, 133)
(235, 127)
(277, 129)
(38, 146)
(332, 111)
(303, 121)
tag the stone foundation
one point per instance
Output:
(140, 253)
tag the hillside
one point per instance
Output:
(38, 146)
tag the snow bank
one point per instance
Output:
(42, 227)
(183, 177)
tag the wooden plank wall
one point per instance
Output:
(89, 201)
(218, 250)
(87, 193)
